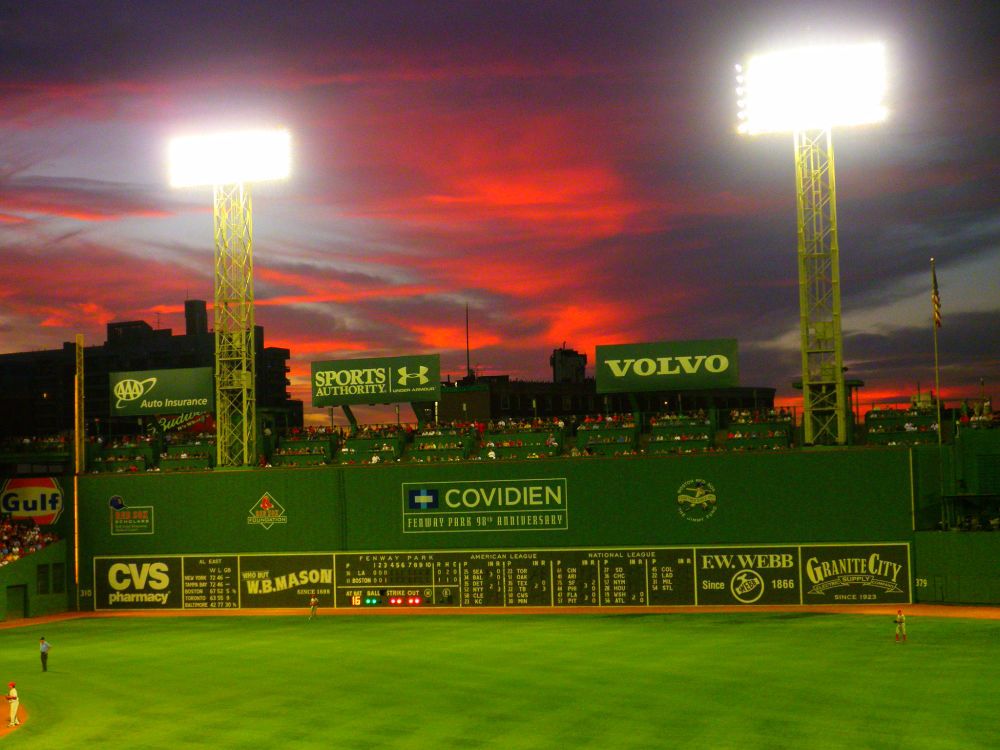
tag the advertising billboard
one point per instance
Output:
(189, 389)
(377, 380)
(667, 366)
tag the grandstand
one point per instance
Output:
(596, 487)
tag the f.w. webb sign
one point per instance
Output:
(667, 366)
(379, 380)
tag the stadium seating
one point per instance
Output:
(901, 426)
(672, 433)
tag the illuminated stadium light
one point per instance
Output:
(230, 158)
(808, 91)
(230, 163)
(812, 88)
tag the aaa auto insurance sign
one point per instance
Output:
(38, 499)
(378, 380)
(177, 391)
(667, 366)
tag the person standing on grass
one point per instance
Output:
(313, 603)
(14, 702)
(900, 625)
(43, 647)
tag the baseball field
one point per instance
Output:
(708, 680)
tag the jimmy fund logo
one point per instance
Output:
(132, 389)
(696, 500)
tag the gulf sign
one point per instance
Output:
(667, 366)
(38, 499)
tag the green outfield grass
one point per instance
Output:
(704, 681)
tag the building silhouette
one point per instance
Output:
(36, 388)
(486, 397)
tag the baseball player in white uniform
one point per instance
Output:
(900, 625)
(14, 703)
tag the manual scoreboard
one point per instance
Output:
(600, 577)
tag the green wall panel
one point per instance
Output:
(212, 511)
(953, 566)
(737, 499)
(25, 573)
(759, 498)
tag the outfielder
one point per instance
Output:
(313, 603)
(900, 625)
(14, 703)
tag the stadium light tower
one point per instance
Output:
(229, 162)
(808, 92)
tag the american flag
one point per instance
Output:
(935, 298)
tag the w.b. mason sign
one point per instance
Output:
(667, 366)
(377, 380)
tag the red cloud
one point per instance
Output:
(451, 337)
(78, 204)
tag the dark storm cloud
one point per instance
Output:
(568, 169)
(969, 349)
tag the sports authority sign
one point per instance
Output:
(189, 389)
(379, 380)
(38, 499)
(667, 366)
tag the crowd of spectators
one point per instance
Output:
(538, 424)
(978, 414)
(606, 434)
(698, 417)
(604, 421)
(36, 444)
(757, 416)
(18, 539)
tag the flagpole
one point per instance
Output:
(936, 307)
(936, 303)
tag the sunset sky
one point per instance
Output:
(569, 170)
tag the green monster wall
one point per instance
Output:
(759, 498)
(957, 567)
(717, 499)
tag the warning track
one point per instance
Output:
(916, 610)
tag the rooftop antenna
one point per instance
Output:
(468, 365)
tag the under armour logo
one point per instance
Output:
(405, 375)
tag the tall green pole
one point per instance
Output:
(235, 361)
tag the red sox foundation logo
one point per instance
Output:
(38, 499)
(267, 512)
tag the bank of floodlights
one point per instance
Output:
(813, 88)
(230, 162)
(807, 92)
